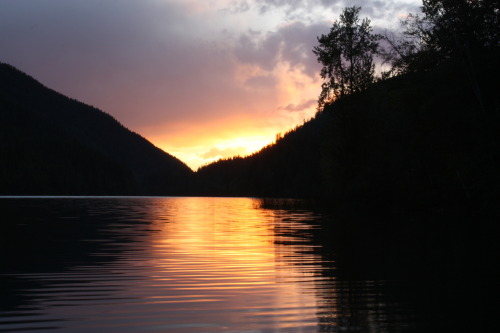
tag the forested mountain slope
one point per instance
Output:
(51, 144)
(423, 140)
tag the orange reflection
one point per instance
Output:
(225, 251)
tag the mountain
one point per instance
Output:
(427, 140)
(53, 145)
(291, 167)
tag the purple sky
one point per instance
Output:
(200, 79)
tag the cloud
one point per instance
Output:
(261, 82)
(299, 40)
(301, 106)
(295, 5)
(386, 14)
(291, 43)
(294, 9)
(289, 5)
(222, 153)
(382, 13)
(254, 49)
(236, 7)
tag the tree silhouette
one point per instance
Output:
(459, 24)
(346, 54)
(445, 31)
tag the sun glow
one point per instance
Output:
(202, 152)
(253, 125)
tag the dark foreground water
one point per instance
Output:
(214, 265)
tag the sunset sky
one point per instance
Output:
(200, 79)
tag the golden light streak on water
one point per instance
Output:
(181, 265)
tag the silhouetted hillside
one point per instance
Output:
(291, 167)
(424, 140)
(50, 144)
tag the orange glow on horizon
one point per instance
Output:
(198, 145)
(200, 154)
(247, 130)
(204, 143)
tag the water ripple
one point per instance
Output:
(173, 265)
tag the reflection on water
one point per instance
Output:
(178, 265)
(193, 264)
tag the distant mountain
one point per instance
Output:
(53, 145)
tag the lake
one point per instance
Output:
(182, 264)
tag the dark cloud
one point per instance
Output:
(254, 49)
(292, 43)
(299, 40)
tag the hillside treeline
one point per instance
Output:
(53, 145)
(424, 135)
(419, 140)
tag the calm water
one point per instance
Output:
(182, 265)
